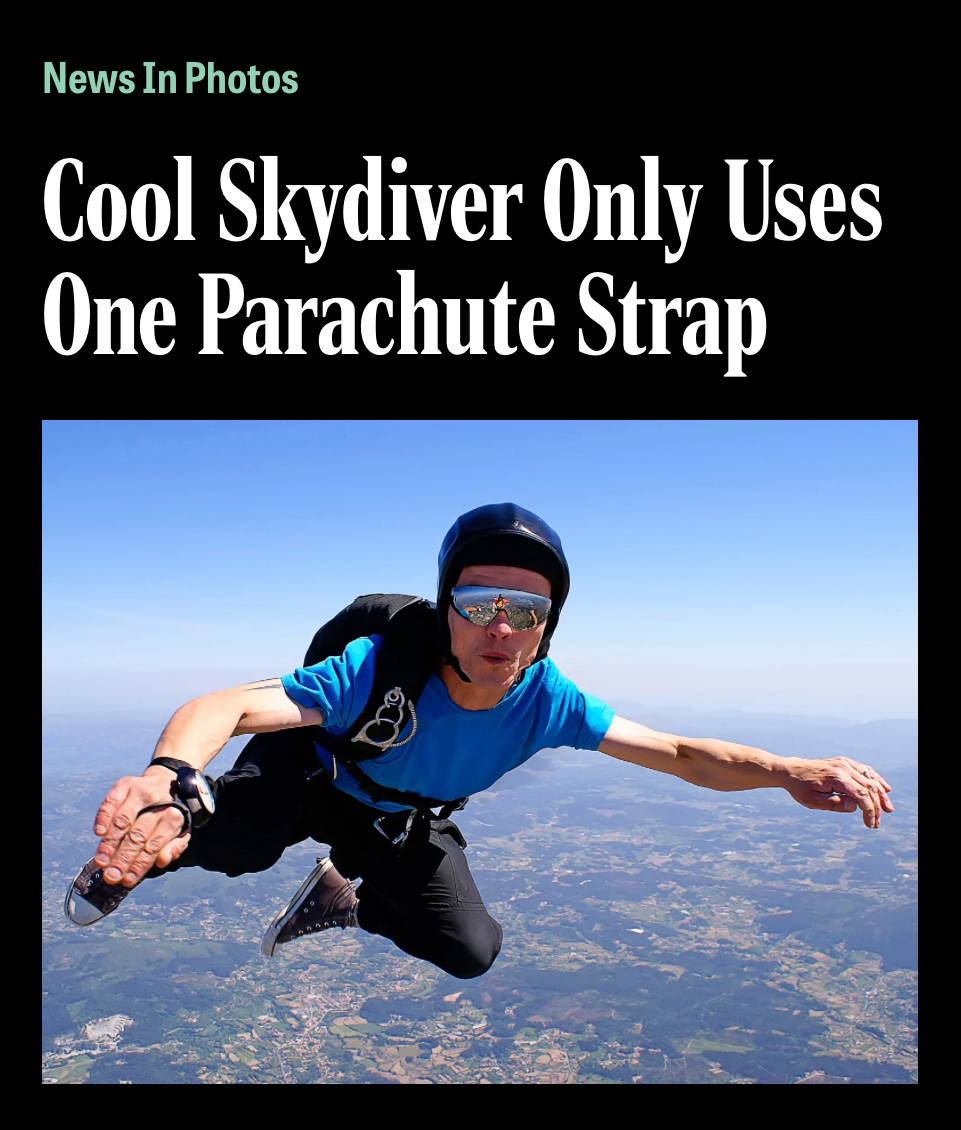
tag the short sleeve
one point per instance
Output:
(598, 717)
(339, 686)
(576, 719)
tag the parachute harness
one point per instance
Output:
(393, 700)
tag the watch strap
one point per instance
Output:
(175, 803)
(171, 763)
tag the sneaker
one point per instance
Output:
(91, 898)
(325, 899)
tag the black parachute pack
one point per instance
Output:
(409, 654)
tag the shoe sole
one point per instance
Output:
(269, 945)
(79, 909)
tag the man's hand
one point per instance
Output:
(133, 841)
(838, 784)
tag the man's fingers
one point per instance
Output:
(103, 821)
(172, 851)
(840, 784)
(129, 848)
(847, 792)
(137, 855)
(864, 794)
(875, 787)
(144, 840)
(866, 775)
(871, 774)
(119, 827)
(881, 789)
(832, 802)
(119, 817)
(866, 786)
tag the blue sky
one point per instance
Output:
(735, 565)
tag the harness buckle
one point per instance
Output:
(402, 835)
(393, 700)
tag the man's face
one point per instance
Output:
(494, 656)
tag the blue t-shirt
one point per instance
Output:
(455, 752)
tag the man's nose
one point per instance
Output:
(500, 628)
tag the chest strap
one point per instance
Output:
(378, 792)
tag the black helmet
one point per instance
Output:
(501, 534)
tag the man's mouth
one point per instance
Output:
(495, 657)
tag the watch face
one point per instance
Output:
(204, 793)
(194, 789)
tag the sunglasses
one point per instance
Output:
(480, 605)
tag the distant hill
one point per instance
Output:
(111, 744)
(887, 743)
(82, 743)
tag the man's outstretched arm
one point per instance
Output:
(132, 843)
(836, 784)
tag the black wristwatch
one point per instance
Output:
(190, 792)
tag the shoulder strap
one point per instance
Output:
(410, 652)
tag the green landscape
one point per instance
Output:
(654, 933)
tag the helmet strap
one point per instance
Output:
(451, 660)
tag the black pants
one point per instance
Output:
(420, 894)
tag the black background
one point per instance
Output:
(837, 314)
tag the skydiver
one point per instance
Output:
(382, 793)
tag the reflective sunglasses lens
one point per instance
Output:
(480, 605)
